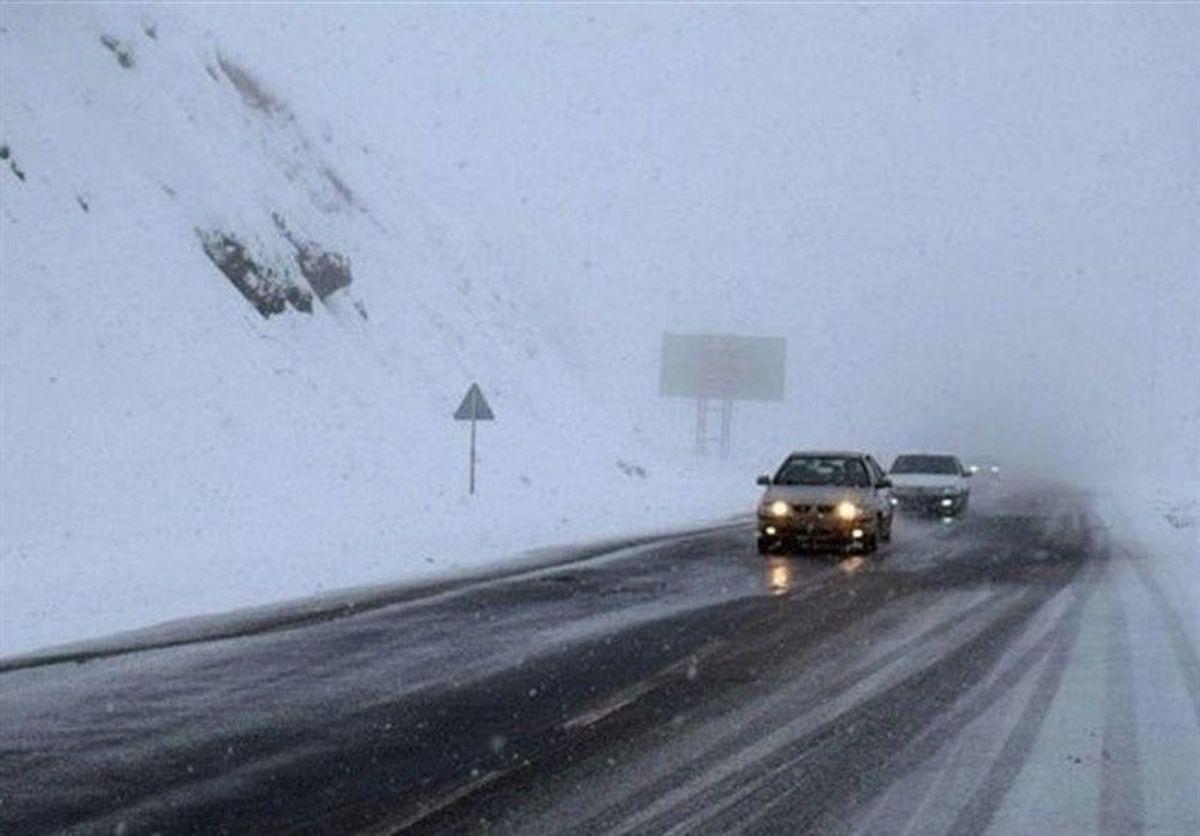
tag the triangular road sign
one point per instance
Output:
(474, 406)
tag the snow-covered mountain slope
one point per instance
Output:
(230, 344)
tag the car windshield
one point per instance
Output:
(942, 465)
(823, 470)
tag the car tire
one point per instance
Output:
(885, 530)
(767, 547)
(870, 544)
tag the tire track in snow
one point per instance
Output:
(755, 745)
(1047, 651)
(802, 789)
(981, 809)
(1122, 809)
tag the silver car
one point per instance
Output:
(931, 483)
(825, 500)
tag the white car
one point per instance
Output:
(930, 483)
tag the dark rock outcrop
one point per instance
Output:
(253, 94)
(631, 470)
(326, 271)
(267, 290)
(7, 156)
(118, 48)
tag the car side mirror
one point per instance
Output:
(765, 481)
(884, 483)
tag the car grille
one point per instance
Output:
(820, 510)
(930, 502)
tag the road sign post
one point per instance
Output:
(474, 407)
(471, 478)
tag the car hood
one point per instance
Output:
(926, 480)
(814, 494)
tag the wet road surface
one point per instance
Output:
(681, 686)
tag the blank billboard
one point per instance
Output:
(722, 366)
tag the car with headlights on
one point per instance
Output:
(825, 500)
(989, 468)
(930, 483)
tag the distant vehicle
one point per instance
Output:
(932, 484)
(827, 500)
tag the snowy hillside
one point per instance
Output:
(231, 339)
(252, 256)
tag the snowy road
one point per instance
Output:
(974, 676)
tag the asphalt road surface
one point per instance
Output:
(687, 685)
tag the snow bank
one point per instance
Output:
(1158, 526)
(1117, 748)
(175, 441)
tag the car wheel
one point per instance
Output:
(767, 546)
(885, 530)
(870, 544)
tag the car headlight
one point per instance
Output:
(779, 508)
(847, 511)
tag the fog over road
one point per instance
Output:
(684, 685)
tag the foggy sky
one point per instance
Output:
(977, 227)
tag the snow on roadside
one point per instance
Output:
(1159, 522)
(1117, 746)
(105, 583)
(168, 450)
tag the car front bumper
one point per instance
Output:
(931, 504)
(815, 532)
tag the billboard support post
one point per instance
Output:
(722, 411)
(716, 370)
(726, 427)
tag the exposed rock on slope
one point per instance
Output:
(6, 156)
(253, 94)
(264, 287)
(325, 270)
(120, 49)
